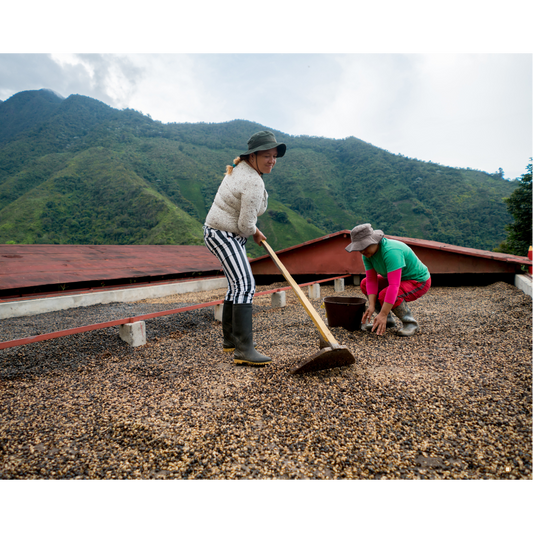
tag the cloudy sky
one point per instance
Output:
(465, 110)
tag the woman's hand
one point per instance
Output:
(259, 237)
(372, 298)
(380, 323)
(368, 314)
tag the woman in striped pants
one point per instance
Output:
(240, 199)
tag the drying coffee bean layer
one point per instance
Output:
(452, 402)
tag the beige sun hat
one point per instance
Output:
(363, 236)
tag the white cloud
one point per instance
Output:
(176, 88)
(108, 77)
(471, 110)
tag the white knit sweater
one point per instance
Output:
(240, 199)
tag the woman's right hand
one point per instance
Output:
(368, 314)
(259, 237)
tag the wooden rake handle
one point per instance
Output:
(315, 317)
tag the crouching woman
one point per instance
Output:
(394, 276)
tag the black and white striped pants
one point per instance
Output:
(230, 250)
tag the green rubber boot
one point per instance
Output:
(245, 353)
(228, 344)
(410, 325)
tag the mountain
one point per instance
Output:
(24, 110)
(77, 171)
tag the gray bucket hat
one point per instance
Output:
(363, 236)
(264, 140)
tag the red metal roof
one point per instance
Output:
(327, 256)
(37, 265)
(32, 265)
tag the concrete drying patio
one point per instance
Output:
(452, 402)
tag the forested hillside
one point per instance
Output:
(76, 171)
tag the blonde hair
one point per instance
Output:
(236, 161)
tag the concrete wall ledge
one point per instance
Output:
(524, 283)
(58, 303)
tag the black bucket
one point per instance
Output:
(345, 312)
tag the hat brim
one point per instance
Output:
(354, 248)
(282, 148)
(375, 238)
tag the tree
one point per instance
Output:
(520, 205)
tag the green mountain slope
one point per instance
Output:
(94, 199)
(75, 170)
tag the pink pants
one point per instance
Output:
(409, 290)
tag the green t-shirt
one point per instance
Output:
(391, 256)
